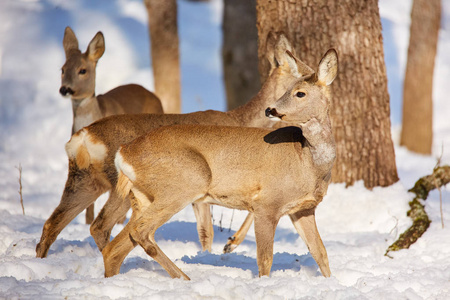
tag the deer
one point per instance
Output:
(78, 83)
(270, 173)
(91, 151)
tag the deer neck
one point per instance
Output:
(85, 111)
(252, 114)
(320, 142)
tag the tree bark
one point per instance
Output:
(239, 51)
(417, 123)
(360, 111)
(162, 21)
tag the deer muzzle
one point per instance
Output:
(273, 114)
(66, 91)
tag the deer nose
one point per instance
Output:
(269, 111)
(272, 113)
(64, 91)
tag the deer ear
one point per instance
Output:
(70, 41)
(328, 68)
(285, 55)
(96, 47)
(282, 45)
(271, 41)
(292, 62)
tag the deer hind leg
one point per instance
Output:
(204, 225)
(114, 210)
(80, 191)
(305, 224)
(265, 226)
(143, 231)
(115, 252)
(239, 236)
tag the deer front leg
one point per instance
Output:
(113, 211)
(204, 225)
(305, 224)
(265, 226)
(239, 236)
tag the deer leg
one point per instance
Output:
(143, 231)
(239, 236)
(80, 191)
(90, 214)
(115, 252)
(305, 224)
(265, 226)
(113, 210)
(204, 225)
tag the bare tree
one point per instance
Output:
(162, 21)
(360, 99)
(417, 129)
(240, 48)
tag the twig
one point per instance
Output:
(231, 221)
(438, 160)
(220, 222)
(438, 187)
(440, 201)
(395, 227)
(20, 188)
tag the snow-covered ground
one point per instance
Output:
(356, 225)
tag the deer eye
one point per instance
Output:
(62, 71)
(82, 71)
(300, 94)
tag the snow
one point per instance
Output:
(356, 225)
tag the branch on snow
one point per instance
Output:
(421, 222)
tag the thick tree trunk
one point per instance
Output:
(239, 51)
(417, 129)
(162, 21)
(360, 99)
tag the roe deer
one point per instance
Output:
(269, 173)
(91, 151)
(78, 82)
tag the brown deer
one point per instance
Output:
(78, 82)
(91, 151)
(269, 173)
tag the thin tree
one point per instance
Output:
(162, 21)
(239, 51)
(417, 129)
(360, 99)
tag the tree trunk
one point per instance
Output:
(360, 99)
(162, 21)
(239, 51)
(417, 129)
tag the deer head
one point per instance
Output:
(78, 72)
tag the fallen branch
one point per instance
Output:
(421, 222)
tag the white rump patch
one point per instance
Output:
(126, 168)
(75, 142)
(97, 150)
